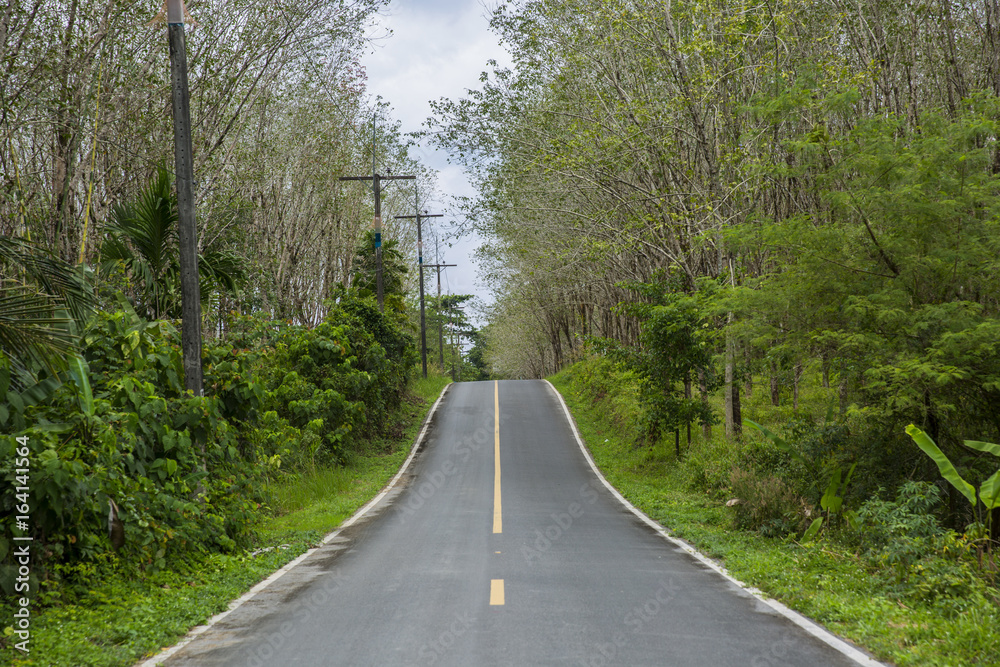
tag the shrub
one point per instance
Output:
(903, 542)
(350, 370)
(763, 456)
(186, 471)
(881, 461)
(175, 496)
(766, 505)
(909, 517)
(709, 467)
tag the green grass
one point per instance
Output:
(825, 580)
(121, 620)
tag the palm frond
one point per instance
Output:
(34, 332)
(32, 264)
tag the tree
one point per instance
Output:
(606, 153)
(477, 357)
(141, 243)
(448, 318)
(895, 278)
(677, 344)
(789, 149)
(82, 89)
(394, 269)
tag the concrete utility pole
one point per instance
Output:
(451, 325)
(187, 226)
(376, 180)
(420, 263)
(440, 317)
(377, 225)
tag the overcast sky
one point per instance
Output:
(437, 49)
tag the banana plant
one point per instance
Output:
(988, 492)
(832, 502)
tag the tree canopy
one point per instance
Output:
(834, 167)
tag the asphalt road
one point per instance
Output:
(529, 562)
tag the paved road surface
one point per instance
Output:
(532, 562)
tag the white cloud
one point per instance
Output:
(437, 49)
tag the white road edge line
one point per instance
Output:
(798, 619)
(194, 632)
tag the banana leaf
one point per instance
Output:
(989, 492)
(987, 447)
(943, 463)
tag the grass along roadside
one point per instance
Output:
(121, 621)
(823, 580)
(320, 502)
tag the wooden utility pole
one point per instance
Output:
(420, 263)
(187, 226)
(451, 325)
(440, 315)
(437, 256)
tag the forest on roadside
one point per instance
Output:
(122, 472)
(787, 204)
(728, 195)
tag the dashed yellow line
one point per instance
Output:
(497, 510)
(496, 592)
(496, 585)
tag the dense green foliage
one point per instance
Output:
(803, 189)
(141, 250)
(675, 350)
(117, 620)
(394, 269)
(893, 285)
(43, 303)
(186, 471)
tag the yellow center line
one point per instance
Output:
(496, 592)
(496, 585)
(497, 513)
